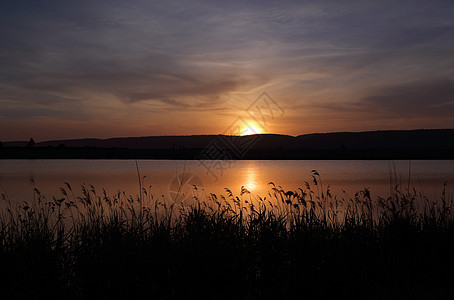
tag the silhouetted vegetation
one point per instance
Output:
(290, 244)
(31, 143)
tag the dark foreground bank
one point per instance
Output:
(199, 154)
(291, 245)
(397, 144)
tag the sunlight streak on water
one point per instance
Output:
(251, 180)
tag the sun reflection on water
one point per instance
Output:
(250, 182)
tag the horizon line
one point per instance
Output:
(263, 134)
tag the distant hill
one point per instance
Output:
(389, 139)
(371, 144)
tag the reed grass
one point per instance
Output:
(306, 243)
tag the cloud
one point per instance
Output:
(419, 98)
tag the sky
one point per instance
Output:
(108, 68)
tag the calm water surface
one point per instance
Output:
(169, 177)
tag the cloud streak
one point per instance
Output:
(420, 98)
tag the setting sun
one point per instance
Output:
(250, 129)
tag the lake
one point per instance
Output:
(172, 177)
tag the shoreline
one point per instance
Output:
(198, 154)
